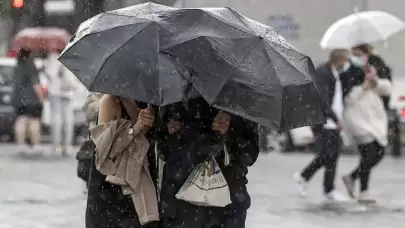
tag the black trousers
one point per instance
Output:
(327, 148)
(371, 154)
(264, 132)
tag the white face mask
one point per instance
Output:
(358, 61)
(345, 67)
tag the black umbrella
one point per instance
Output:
(235, 63)
(118, 53)
(245, 67)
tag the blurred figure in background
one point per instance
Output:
(85, 154)
(62, 84)
(327, 143)
(364, 55)
(366, 120)
(28, 98)
(90, 108)
(264, 133)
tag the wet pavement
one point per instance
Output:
(45, 193)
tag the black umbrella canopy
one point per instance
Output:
(246, 68)
(118, 53)
(151, 52)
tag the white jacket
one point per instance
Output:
(62, 82)
(364, 117)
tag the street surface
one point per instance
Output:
(45, 193)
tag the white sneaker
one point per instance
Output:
(335, 196)
(349, 184)
(364, 197)
(302, 185)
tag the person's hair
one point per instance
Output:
(24, 54)
(365, 48)
(338, 54)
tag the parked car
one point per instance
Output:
(7, 115)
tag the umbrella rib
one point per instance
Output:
(281, 84)
(236, 69)
(289, 62)
(237, 15)
(120, 46)
(230, 25)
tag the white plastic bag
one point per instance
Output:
(302, 136)
(206, 186)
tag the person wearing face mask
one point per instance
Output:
(366, 121)
(362, 56)
(328, 135)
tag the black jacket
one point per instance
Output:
(195, 144)
(24, 79)
(326, 82)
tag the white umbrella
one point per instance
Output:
(361, 28)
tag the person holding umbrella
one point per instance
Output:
(160, 52)
(115, 186)
(366, 121)
(185, 123)
(328, 135)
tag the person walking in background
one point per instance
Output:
(265, 141)
(364, 54)
(62, 84)
(28, 98)
(85, 154)
(366, 122)
(90, 108)
(328, 135)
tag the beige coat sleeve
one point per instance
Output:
(111, 140)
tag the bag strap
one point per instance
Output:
(226, 158)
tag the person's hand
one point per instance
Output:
(221, 122)
(174, 126)
(370, 83)
(370, 79)
(370, 72)
(146, 119)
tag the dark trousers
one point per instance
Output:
(327, 148)
(371, 154)
(264, 132)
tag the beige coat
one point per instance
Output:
(121, 155)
